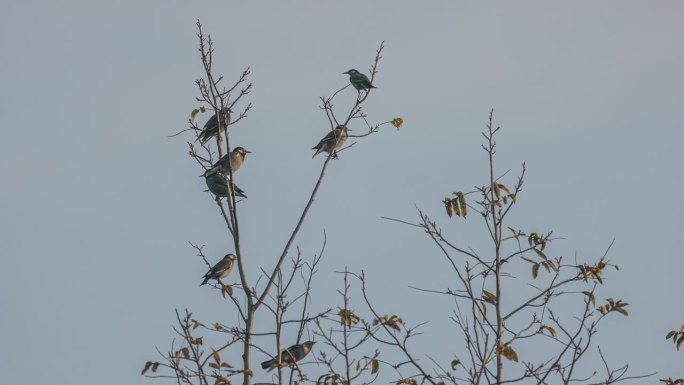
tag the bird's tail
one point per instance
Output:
(266, 364)
(206, 279)
(205, 136)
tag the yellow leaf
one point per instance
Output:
(462, 203)
(397, 122)
(193, 115)
(550, 329)
(214, 365)
(535, 271)
(454, 206)
(510, 354)
(186, 353)
(375, 366)
(217, 358)
(489, 297)
(454, 364)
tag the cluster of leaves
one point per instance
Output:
(217, 365)
(456, 205)
(501, 199)
(677, 337)
(327, 379)
(671, 381)
(347, 317)
(594, 271)
(407, 381)
(150, 365)
(545, 263)
(535, 239)
(507, 351)
(393, 321)
(614, 305)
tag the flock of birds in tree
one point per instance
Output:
(217, 184)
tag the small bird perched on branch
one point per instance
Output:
(332, 142)
(289, 356)
(235, 157)
(218, 186)
(221, 269)
(359, 80)
(211, 127)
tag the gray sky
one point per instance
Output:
(97, 204)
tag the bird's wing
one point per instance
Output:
(330, 137)
(223, 161)
(222, 265)
(211, 123)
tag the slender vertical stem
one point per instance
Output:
(345, 327)
(497, 246)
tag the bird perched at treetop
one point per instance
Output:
(221, 269)
(289, 356)
(235, 157)
(333, 141)
(211, 127)
(218, 186)
(359, 80)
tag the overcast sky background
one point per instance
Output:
(97, 205)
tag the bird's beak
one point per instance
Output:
(345, 73)
(249, 152)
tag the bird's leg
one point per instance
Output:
(296, 367)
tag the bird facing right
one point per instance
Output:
(221, 269)
(236, 158)
(289, 356)
(332, 141)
